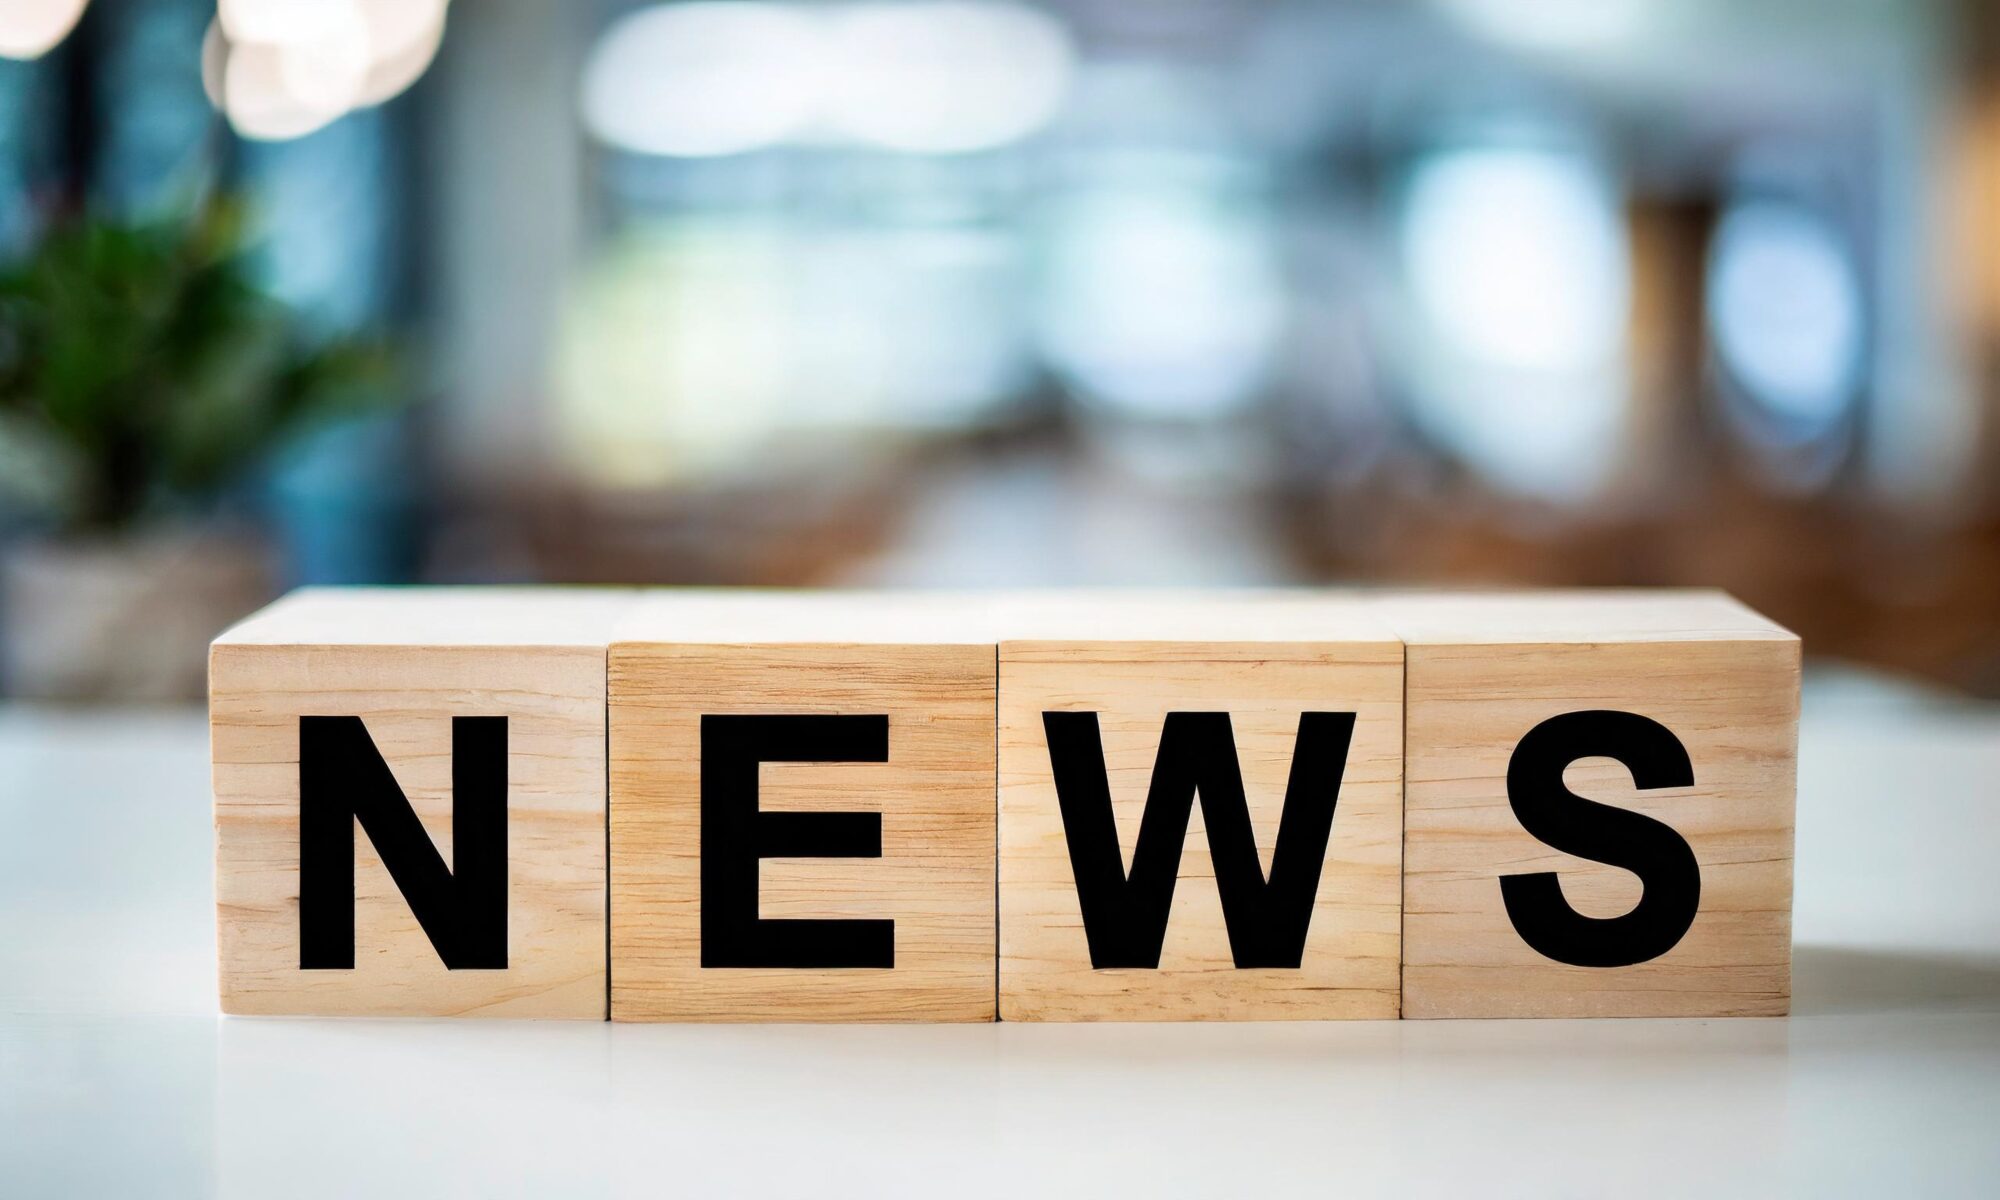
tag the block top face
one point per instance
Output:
(435, 616)
(775, 616)
(704, 616)
(1244, 615)
(1580, 616)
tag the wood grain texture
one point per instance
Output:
(1482, 672)
(934, 878)
(391, 659)
(1350, 965)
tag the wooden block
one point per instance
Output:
(1681, 707)
(801, 810)
(381, 752)
(1274, 895)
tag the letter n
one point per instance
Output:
(343, 781)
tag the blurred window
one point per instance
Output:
(813, 228)
(27, 147)
(1519, 276)
(1784, 310)
(156, 132)
(1163, 297)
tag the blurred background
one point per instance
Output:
(1546, 292)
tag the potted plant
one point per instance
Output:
(143, 375)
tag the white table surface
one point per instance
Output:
(117, 1076)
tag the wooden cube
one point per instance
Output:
(801, 810)
(410, 803)
(1200, 808)
(1599, 805)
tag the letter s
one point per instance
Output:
(1660, 857)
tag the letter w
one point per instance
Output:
(342, 780)
(1125, 917)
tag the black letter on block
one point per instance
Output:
(1125, 918)
(342, 779)
(735, 835)
(1661, 858)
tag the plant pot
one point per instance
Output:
(123, 619)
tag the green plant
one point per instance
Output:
(142, 369)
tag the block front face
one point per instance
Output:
(1714, 933)
(775, 807)
(1290, 709)
(545, 763)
